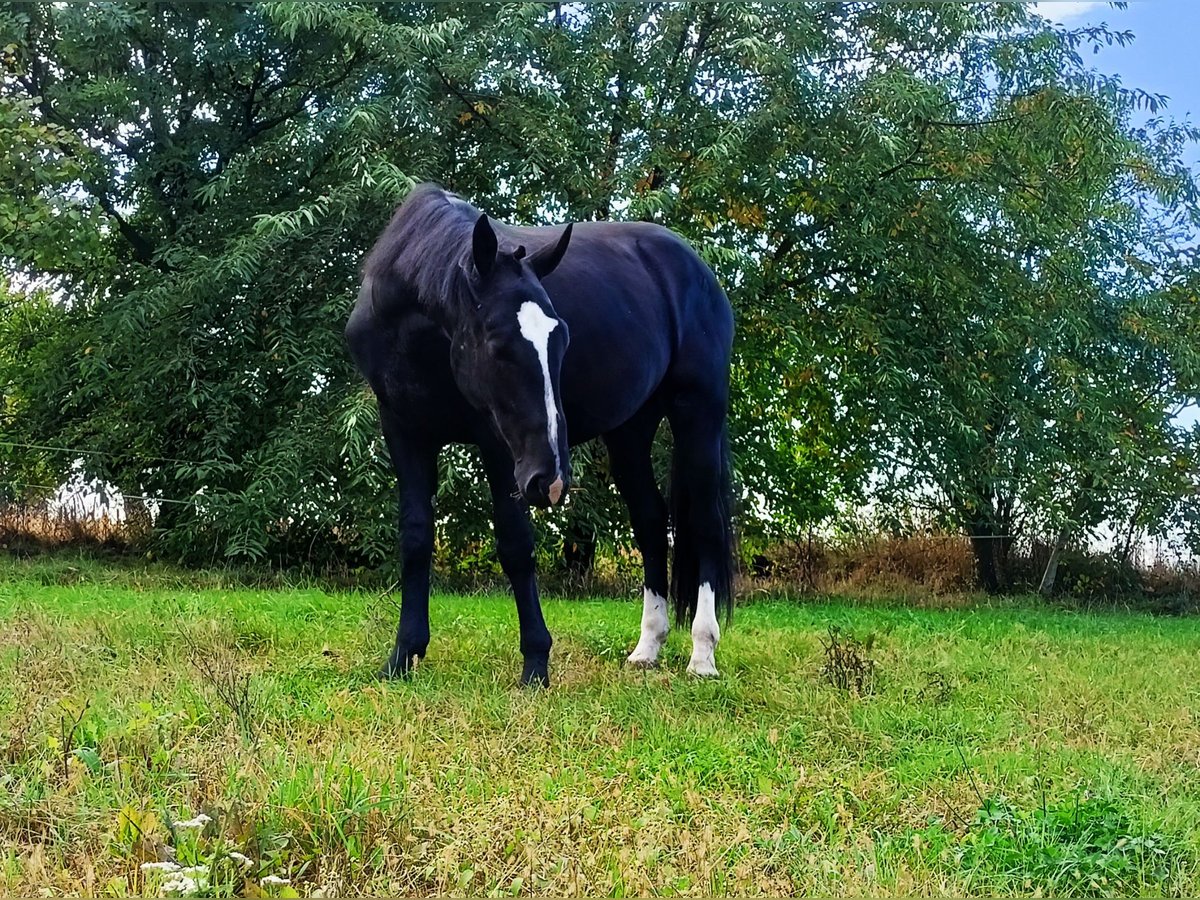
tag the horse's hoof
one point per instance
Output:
(536, 673)
(641, 662)
(399, 666)
(703, 669)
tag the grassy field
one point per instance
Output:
(147, 717)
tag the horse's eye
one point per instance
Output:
(500, 349)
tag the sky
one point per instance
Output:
(1163, 56)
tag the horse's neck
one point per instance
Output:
(438, 303)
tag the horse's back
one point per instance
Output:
(643, 308)
(642, 265)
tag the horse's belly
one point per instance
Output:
(603, 390)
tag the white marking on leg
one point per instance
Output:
(655, 628)
(706, 634)
(535, 328)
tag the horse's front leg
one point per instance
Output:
(514, 546)
(633, 473)
(415, 463)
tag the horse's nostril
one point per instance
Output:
(535, 488)
(544, 489)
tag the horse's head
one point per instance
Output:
(508, 350)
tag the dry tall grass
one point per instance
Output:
(30, 528)
(911, 567)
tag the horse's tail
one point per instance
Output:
(700, 522)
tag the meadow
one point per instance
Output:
(168, 732)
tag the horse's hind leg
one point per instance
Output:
(633, 473)
(515, 546)
(700, 512)
(415, 463)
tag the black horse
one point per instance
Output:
(477, 332)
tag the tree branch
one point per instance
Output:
(143, 249)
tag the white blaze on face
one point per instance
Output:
(535, 328)
(655, 628)
(706, 633)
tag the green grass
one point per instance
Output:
(1004, 749)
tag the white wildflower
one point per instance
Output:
(241, 859)
(274, 881)
(159, 867)
(195, 871)
(199, 822)
(181, 885)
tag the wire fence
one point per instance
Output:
(84, 509)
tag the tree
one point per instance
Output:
(956, 265)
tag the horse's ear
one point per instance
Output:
(483, 246)
(546, 260)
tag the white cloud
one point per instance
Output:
(1066, 10)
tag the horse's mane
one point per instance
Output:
(419, 257)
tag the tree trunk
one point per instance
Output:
(989, 524)
(579, 549)
(1127, 549)
(616, 131)
(983, 544)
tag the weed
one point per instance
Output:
(69, 722)
(937, 690)
(848, 663)
(220, 668)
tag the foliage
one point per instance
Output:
(961, 271)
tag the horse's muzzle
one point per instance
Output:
(544, 490)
